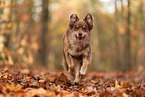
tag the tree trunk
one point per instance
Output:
(95, 41)
(96, 53)
(12, 42)
(128, 42)
(44, 31)
(116, 39)
(141, 45)
(121, 42)
(5, 19)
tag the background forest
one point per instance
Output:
(31, 32)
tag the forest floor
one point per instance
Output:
(27, 82)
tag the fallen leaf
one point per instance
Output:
(34, 84)
(117, 85)
(39, 91)
(61, 78)
(126, 85)
(125, 95)
(25, 71)
(3, 89)
(13, 87)
(106, 93)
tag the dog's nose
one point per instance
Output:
(80, 33)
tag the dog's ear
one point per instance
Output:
(73, 19)
(89, 20)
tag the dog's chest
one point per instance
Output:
(76, 49)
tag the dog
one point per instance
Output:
(77, 46)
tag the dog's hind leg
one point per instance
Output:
(69, 62)
(71, 66)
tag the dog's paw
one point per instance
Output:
(76, 80)
(83, 70)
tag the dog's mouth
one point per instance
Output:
(80, 38)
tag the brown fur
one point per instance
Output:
(77, 46)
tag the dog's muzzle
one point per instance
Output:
(80, 36)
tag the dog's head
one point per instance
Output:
(81, 28)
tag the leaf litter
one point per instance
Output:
(26, 81)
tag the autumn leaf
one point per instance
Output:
(3, 89)
(41, 91)
(61, 78)
(13, 87)
(117, 85)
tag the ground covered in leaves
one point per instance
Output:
(27, 82)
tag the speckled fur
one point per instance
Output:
(77, 55)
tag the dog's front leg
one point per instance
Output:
(84, 66)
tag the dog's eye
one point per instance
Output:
(84, 28)
(77, 27)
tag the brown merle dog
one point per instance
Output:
(77, 46)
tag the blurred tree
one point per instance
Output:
(116, 37)
(5, 30)
(122, 35)
(43, 38)
(12, 42)
(128, 39)
(141, 44)
(95, 37)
